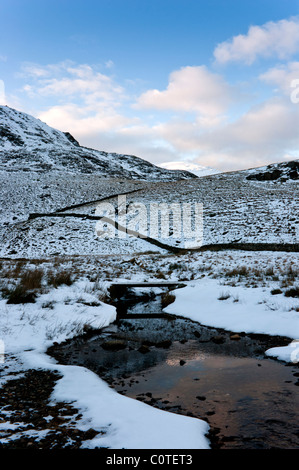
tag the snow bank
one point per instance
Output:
(240, 309)
(27, 330)
(125, 423)
(57, 315)
(288, 353)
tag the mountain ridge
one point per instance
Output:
(27, 143)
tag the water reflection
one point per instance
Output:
(180, 366)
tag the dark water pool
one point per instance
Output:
(250, 401)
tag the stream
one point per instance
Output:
(249, 400)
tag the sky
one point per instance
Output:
(180, 83)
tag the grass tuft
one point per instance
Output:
(60, 278)
(292, 292)
(224, 296)
(167, 299)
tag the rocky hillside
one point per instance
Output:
(27, 144)
(281, 172)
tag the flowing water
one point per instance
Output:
(250, 401)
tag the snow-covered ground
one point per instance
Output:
(25, 192)
(235, 210)
(27, 330)
(237, 291)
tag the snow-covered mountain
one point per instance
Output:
(196, 169)
(26, 143)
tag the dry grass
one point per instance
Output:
(32, 279)
(224, 296)
(276, 291)
(14, 271)
(160, 275)
(19, 295)
(167, 299)
(25, 291)
(292, 292)
(238, 271)
(60, 278)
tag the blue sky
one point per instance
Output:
(177, 82)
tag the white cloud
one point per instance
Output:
(260, 136)
(37, 71)
(68, 80)
(110, 131)
(88, 103)
(199, 128)
(282, 76)
(264, 134)
(83, 123)
(273, 39)
(190, 89)
(264, 125)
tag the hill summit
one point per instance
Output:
(28, 144)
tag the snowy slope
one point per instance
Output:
(26, 143)
(235, 209)
(43, 171)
